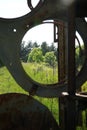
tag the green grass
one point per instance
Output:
(84, 87)
(7, 83)
(42, 74)
(46, 75)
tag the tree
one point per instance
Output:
(35, 44)
(52, 47)
(1, 64)
(25, 50)
(35, 55)
(44, 48)
(50, 58)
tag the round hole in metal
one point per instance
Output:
(39, 54)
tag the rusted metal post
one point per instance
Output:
(66, 69)
(59, 37)
(71, 51)
(61, 69)
(61, 53)
(70, 103)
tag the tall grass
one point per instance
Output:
(9, 85)
(41, 73)
(44, 74)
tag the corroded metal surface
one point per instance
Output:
(81, 26)
(10, 45)
(22, 112)
(11, 34)
(61, 53)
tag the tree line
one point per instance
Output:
(33, 52)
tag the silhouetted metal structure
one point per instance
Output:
(68, 17)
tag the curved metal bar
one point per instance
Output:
(19, 111)
(81, 27)
(30, 4)
(11, 34)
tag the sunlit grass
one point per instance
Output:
(41, 73)
(84, 87)
(7, 83)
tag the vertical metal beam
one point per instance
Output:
(70, 103)
(66, 58)
(71, 50)
(59, 37)
(61, 53)
(61, 70)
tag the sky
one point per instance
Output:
(14, 8)
(17, 8)
(40, 33)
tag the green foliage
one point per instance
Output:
(84, 87)
(7, 83)
(44, 48)
(50, 58)
(35, 55)
(35, 45)
(41, 73)
(25, 50)
(79, 57)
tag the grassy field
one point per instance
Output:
(9, 85)
(42, 74)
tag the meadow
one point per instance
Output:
(9, 85)
(42, 73)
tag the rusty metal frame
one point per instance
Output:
(10, 44)
(11, 34)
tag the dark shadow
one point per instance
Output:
(22, 112)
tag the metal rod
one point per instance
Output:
(71, 50)
(70, 104)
